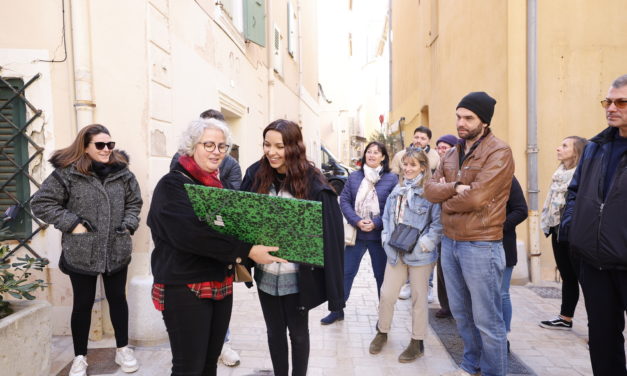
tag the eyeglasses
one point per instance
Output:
(620, 103)
(211, 146)
(100, 145)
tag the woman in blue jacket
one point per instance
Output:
(362, 202)
(406, 205)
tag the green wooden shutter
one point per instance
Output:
(14, 183)
(255, 21)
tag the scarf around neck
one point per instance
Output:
(209, 179)
(556, 198)
(405, 196)
(367, 201)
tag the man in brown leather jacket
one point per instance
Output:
(472, 183)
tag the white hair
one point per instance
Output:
(191, 136)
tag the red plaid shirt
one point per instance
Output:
(216, 290)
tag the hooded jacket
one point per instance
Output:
(317, 285)
(478, 213)
(111, 208)
(596, 228)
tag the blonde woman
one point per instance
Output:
(407, 205)
(568, 154)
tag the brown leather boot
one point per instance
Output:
(377, 343)
(415, 349)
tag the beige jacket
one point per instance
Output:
(434, 160)
(478, 213)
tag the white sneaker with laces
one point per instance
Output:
(125, 358)
(79, 366)
(229, 356)
(405, 292)
(430, 297)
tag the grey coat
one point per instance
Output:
(68, 197)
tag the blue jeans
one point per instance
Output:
(352, 258)
(473, 272)
(505, 298)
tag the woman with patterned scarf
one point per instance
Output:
(406, 205)
(362, 202)
(192, 264)
(568, 153)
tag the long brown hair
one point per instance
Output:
(297, 177)
(75, 153)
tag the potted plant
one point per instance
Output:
(25, 324)
(14, 278)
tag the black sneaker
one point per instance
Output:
(557, 324)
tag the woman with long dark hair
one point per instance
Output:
(568, 154)
(94, 200)
(193, 265)
(288, 291)
(362, 202)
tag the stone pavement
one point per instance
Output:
(342, 348)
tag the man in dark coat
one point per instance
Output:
(594, 223)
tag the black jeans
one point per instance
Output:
(442, 297)
(566, 265)
(196, 328)
(84, 290)
(282, 313)
(605, 293)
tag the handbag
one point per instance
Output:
(242, 274)
(404, 237)
(350, 233)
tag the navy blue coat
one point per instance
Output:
(384, 187)
(597, 228)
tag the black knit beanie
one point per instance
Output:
(480, 103)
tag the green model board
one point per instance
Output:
(293, 225)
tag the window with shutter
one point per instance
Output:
(14, 183)
(17, 151)
(255, 21)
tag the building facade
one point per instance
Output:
(144, 69)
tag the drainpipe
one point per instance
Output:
(270, 51)
(532, 142)
(81, 48)
(84, 107)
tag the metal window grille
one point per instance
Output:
(15, 178)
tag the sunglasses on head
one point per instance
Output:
(100, 145)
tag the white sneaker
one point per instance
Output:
(229, 356)
(405, 292)
(430, 297)
(125, 358)
(79, 366)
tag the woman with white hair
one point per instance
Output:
(192, 264)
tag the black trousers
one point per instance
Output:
(442, 297)
(196, 328)
(84, 291)
(282, 313)
(566, 265)
(605, 293)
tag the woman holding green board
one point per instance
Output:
(192, 264)
(288, 291)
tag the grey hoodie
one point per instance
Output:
(68, 197)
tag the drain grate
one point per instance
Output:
(547, 292)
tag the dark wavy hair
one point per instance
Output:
(75, 153)
(386, 161)
(299, 170)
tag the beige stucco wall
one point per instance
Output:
(482, 46)
(155, 66)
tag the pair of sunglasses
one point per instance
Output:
(100, 145)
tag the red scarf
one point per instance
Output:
(209, 179)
